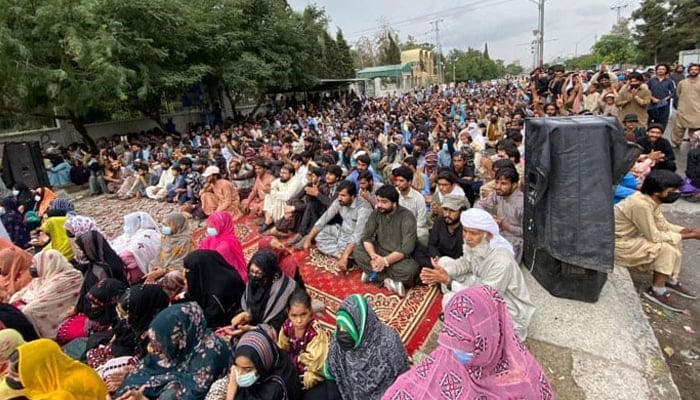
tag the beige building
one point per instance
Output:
(422, 62)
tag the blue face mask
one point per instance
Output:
(463, 358)
(246, 380)
(166, 230)
(212, 231)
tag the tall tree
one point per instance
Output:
(57, 60)
(330, 57)
(365, 53)
(684, 28)
(486, 51)
(345, 67)
(652, 22)
(391, 53)
(615, 49)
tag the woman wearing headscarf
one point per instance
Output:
(43, 197)
(184, 357)
(260, 372)
(288, 264)
(266, 296)
(139, 244)
(136, 309)
(56, 236)
(24, 197)
(221, 237)
(478, 352)
(14, 270)
(103, 316)
(13, 221)
(10, 340)
(76, 226)
(53, 290)
(175, 244)
(58, 171)
(43, 372)
(366, 356)
(215, 285)
(12, 318)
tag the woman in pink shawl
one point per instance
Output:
(221, 237)
(478, 356)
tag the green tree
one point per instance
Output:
(615, 49)
(57, 59)
(345, 67)
(650, 31)
(684, 29)
(486, 51)
(583, 61)
(390, 52)
(512, 69)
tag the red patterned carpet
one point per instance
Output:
(412, 317)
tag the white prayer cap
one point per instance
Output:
(475, 218)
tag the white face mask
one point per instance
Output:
(37, 198)
(2, 210)
(15, 193)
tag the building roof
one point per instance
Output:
(384, 71)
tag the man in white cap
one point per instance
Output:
(487, 259)
(218, 194)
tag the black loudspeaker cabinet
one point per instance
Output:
(23, 162)
(571, 167)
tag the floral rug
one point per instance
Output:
(412, 316)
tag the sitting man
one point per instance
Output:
(261, 187)
(218, 194)
(633, 132)
(340, 240)
(445, 238)
(488, 260)
(362, 164)
(446, 185)
(506, 204)
(282, 189)
(318, 197)
(135, 184)
(658, 148)
(412, 200)
(388, 241)
(368, 188)
(644, 238)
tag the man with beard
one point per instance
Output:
(282, 190)
(644, 238)
(412, 200)
(487, 260)
(445, 238)
(658, 148)
(388, 241)
(506, 205)
(634, 98)
(663, 92)
(261, 187)
(218, 194)
(242, 175)
(319, 197)
(368, 188)
(688, 116)
(362, 165)
(340, 240)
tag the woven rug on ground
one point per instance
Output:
(412, 316)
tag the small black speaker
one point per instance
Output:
(22, 162)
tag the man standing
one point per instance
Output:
(658, 148)
(487, 260)
(340, 240)
(412, 200)
(388, 241)
(634, 98)
(506, 205)
(643, 237)
(688, 116)
(445, 238)
(261, 187)
(663, 92)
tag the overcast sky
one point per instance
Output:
(571, 26)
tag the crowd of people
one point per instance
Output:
(424, 188)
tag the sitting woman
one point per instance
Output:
(266, 295)
(24, 196)
(53, 236)
(221, 237)
(184, 357)
(139, 244)
(136, 309)
(214, 285)
(167, 269)
(306, 342)
(288, 264)
(366, 356)
(55, 287)
(13, 221)
(40, 370)
(12, 318)
(58, 171)
(43, 197)
(10, 340)
(260, 372)
(76, 226)
(14, 269)
(475, 342)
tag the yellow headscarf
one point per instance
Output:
(48, 374)
(54, 227)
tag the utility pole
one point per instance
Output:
(618, 10)
(438, 47)
(540, 31)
